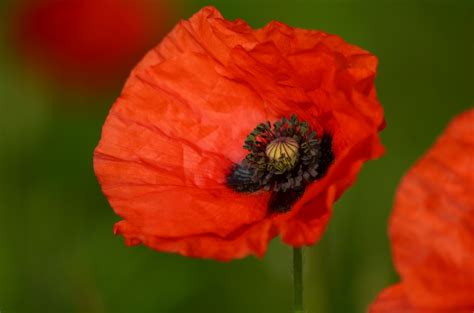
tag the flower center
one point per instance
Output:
(283, 160)
(282, 153)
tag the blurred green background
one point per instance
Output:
(57, 250)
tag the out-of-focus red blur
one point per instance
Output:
(88, 42)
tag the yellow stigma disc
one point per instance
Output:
(283, 153)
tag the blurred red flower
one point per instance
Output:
(432, 229)
(88, 41)
(171, 159)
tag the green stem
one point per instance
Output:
(298, 279)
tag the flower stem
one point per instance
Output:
(298, 279)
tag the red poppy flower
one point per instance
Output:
(87, 41)
(431, 229)
(225, 137)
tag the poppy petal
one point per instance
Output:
(206, 32)
(353, 121)
(167, 141)
(393, 300)
(431, 227)
(243, 242)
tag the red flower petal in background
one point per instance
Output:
(88, 41)
(178, 128)
(432, 229)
